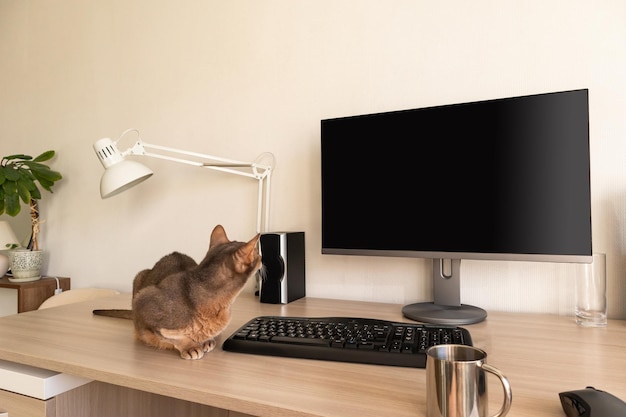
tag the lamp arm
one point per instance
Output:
(260, 172)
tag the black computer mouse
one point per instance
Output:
(590, 402)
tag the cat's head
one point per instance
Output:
(240, 258)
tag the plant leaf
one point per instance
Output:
(47, 185)
(46, 173)
(35, 194)
(23, 192)
(18, 156)
(12, 204)
(9, 187)
(28, 179)
(45, 156)
(11, 173)
(24, 173)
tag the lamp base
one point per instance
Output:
(4, 264)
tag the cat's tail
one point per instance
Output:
(119, 314)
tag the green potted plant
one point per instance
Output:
(20, 178)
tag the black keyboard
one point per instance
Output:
(344, 339)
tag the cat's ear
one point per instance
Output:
(218, 236)
(249, 251)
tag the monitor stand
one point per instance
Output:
(446, 308)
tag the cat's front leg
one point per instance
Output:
(185, 345)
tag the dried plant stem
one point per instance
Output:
(34, 218)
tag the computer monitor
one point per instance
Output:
(504, 179)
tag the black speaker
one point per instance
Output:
(282, 254)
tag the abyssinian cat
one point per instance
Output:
(182, 305)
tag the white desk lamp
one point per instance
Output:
(7, 238)
(121, 174)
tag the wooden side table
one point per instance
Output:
(30, 295)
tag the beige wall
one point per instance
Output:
(238, 78)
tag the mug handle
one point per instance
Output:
(506, 386)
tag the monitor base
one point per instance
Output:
(446, 315)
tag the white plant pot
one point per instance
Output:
(25, 265)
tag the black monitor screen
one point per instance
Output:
(503, 179)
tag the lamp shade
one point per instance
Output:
(122, 176)
(119, 174)
(7, 236)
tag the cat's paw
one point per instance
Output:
(197, 352)
(193, 353)
(208, 345)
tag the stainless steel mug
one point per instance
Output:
(456, 382)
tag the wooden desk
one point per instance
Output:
(541, 355)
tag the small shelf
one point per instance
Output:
(31, 294)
